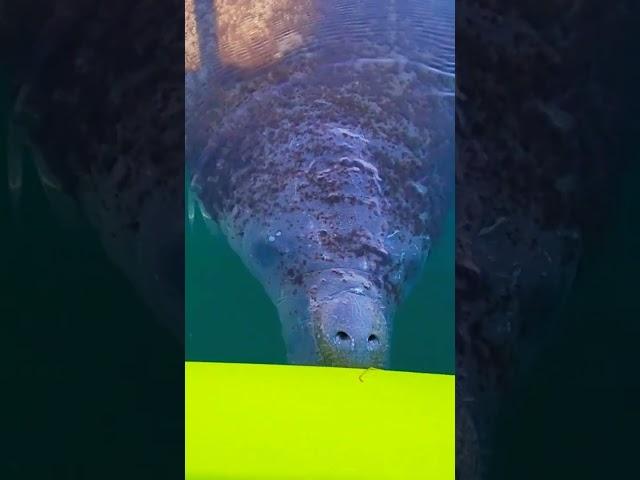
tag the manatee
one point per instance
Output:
(320, 139)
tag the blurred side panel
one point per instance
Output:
(546, 129)
(92, 239)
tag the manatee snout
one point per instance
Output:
(350, 329)
(338, 318)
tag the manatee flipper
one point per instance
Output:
(195, 210)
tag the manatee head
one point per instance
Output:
(334, 250)
(335, 281)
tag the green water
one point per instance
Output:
(229, 317)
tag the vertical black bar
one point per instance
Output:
(546, 140)
(91, 262)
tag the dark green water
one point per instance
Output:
(229, 318)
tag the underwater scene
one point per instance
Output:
(229, 318)
(421, 186)
(297, 178)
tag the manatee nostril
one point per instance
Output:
(342, 338)
(373, 341)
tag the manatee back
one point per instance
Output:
(236, 50)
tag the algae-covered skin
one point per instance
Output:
(320, 138)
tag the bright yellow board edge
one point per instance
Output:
(277, 422)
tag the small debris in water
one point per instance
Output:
(364, 373)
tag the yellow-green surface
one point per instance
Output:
(254, 422)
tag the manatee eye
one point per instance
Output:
(266, 253)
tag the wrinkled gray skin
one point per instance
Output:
(326, 158)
